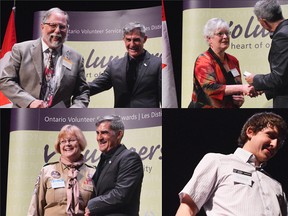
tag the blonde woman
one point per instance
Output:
(64, 187)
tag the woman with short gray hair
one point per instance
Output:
(217, 76)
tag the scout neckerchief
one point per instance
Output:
(72, 187)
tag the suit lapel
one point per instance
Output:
(109, 165)
(37, 56)
(123, 70)
(63, 68)
(65, 55)
(142, 70)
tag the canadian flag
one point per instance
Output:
(169, 98)
(8, 42)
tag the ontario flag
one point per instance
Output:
(8, 42)
(169, 98)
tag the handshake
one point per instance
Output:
(248, 89)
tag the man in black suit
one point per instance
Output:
(135, 78)
(118, 179)
(274, 84)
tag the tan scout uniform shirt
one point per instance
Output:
(49, 197)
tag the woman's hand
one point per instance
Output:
(249, 90)
(238, 100)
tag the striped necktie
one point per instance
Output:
(48, 85)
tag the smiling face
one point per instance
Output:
(219, 42)
(54, 30)
(263, 144)
(70, 147)
(134, 43)
(107, 138)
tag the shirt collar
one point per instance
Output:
(45, 47)
(138, 58)
(111, 152)
(284, 22)
(247, 157)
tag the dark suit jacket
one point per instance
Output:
(117, 191)
(275, 84)
(21, 79)
(147, 89)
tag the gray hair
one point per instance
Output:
(269, 10)
(213, 25)
(130, 27)
(116, 123)
(48, 13)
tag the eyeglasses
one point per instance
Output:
(55, 25)
(221, 34)
(70, 141)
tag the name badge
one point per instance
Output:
(242, 177)
(67, 63)
(235, 72)
(57, 183)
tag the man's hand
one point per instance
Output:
(249, 79)
(249, 90)
(87, 212)
(38, 104)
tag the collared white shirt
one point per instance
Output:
(233, 185)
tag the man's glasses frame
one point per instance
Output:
(55, 25)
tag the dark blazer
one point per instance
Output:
(275, 84)
(117, 191)
(147, 89)
(21, 79)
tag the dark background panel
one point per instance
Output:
(4, 152)
(25, 12)
(189, 134)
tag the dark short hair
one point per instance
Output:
(116, 123)
(262, 120)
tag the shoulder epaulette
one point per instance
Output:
(51, 163)
(94, 167)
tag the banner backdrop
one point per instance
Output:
(98, 37)
(32, 137)
(249, 42)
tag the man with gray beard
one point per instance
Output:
(46, 73)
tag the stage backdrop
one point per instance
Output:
(249, 43)
(32, 137)
(98, 37)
